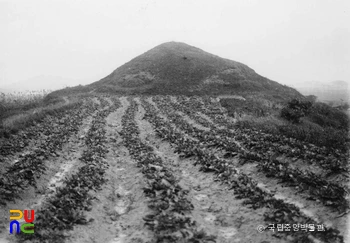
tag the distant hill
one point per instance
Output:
(6, 91)
(42, 82)
(335, 91)
(178, 68)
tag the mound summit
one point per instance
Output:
(178, 68)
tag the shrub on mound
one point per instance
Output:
(326, 116)
(295, 110)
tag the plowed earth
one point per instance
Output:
(166, 169)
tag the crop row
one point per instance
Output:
(244, 187)
(331, 194)
(300, 148)
(43, 127)
(189, 104)
(66, 208)
(30, 166)
(53, 118)
(332, 160)
(168, 201)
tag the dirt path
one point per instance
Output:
(96, 101)
(192, 122)
(216, 210)
(205, 117)
(120, 205)
(198, 112)
(109, 100)
(66, 99)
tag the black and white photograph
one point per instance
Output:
(174, 121)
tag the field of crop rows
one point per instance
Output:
(168, 169)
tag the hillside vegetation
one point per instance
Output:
(178, 68)
(312, 122)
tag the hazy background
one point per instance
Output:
(70, 42)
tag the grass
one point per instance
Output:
(306, 131)
(254, 107)
(268, 123)
(21, 110)
(326, 116)
(323, 126)
(15, 103)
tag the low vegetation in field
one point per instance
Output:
(21, 110)
(19, 101)
(200, 173)
(313, 122)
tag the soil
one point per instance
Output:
(118, 209)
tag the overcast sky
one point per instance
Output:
(286, 41)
